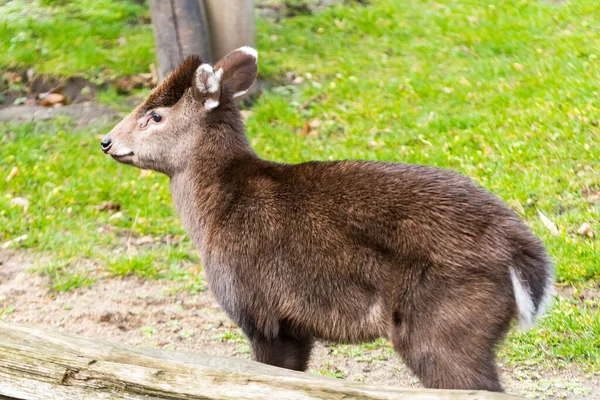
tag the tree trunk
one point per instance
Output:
(231, 25)
(180, 28)
(43, 364)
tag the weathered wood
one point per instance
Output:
(180, 28)
(231, 25)
(43, 364)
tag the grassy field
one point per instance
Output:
(506, 92)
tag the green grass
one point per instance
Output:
(99, 39)
(503, 91)
(64, 277)
(570, 333)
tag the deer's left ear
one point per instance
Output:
(240, 68)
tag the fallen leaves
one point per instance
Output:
(21, 202)
(586, 230)
(116, 216)
(11, 77)
(309, 129)
(144, 240)
(18, 239)
(592, 196)
(109, 206)
(52, 100)
(13, 172)
(126, 84)
(518, 67)
(548, 224)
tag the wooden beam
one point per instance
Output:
(43, 364)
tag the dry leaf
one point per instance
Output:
(12, 77)
(144, 240)
(548, 224)
(305, 129)
(124, 85)
(118, 215)
(518, 67)
(22, 202)
(109, 206)
(315, 123)
(106, 229)
(6, 245)
(13, 172)
(52, 99)
(586, 230)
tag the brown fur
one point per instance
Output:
(345, 251)
(169, 92)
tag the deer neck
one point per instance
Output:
(199, 191)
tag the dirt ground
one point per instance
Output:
(155, 314)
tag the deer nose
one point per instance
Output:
(106, 143)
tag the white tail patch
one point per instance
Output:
(524, 301)
(528, 314)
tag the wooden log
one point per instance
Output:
(180, 28)
(43, 364)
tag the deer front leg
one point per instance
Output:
(286, 350)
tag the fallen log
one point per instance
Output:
(44, 364)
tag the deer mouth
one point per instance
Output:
(120, 151)
(124, 158)
(122, 155)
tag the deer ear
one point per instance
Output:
(206, 87)
(240, 68)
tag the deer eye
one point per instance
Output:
(155, 117)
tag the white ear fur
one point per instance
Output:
(208, 85)
(240, 93)
(249, 51)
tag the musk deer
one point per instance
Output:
(343, 251)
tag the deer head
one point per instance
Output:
(193, 106)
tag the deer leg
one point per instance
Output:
(285, 350)
(449, 337)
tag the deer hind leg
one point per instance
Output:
(448, 337)
(288, 349)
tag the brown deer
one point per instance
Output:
(343, 251)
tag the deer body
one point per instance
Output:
(343, 251)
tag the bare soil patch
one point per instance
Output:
(157, 314)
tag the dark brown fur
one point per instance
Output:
(350, 251)
(170, 90)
